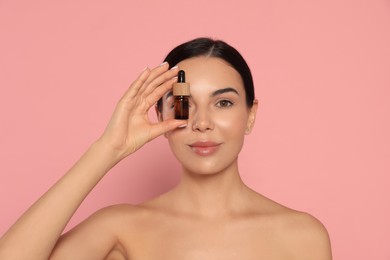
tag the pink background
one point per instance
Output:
(322, 72)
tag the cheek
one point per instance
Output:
(176, 137)
(232, 122)
(167, 108)
(168, 112)
(176, 141)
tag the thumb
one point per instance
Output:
(166, 126)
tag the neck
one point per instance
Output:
(211, 195)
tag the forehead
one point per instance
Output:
(210, 72)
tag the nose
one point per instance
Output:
(201, 120)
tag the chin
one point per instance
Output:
(209, 168)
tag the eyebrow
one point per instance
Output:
(215, 93)
(170, 94)
(223, 90)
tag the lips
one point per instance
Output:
(204, 148)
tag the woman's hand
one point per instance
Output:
(37, 231)
(130, 127)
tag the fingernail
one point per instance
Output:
(162, 64)
(175, 67)
(182, 126)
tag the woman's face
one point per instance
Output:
(219, 117)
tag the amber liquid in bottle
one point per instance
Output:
(181, 107)
(181, 93)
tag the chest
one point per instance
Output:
(188, 241)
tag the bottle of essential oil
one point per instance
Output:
(181, 93)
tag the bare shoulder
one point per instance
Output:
(303, 235)
(116, 211)
(109, 216)
(120, 216)
(307, 236)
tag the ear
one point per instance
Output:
(252, 117)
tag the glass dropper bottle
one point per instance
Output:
(181, 93)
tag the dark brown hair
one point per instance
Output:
(214, 48)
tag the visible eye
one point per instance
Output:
(224, 103)
(170, 104)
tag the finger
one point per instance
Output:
(136, 85)
(154, 73)
(124, 105)
(157, 82)
(166, 126)
(159, 92)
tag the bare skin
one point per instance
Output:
(211, 214)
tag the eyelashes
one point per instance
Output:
(223, 103)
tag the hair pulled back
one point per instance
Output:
(208, 47)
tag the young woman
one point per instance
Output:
(210, 214)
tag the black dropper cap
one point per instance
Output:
(181, 78)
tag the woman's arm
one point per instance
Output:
(35, 234)
(37, 231)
